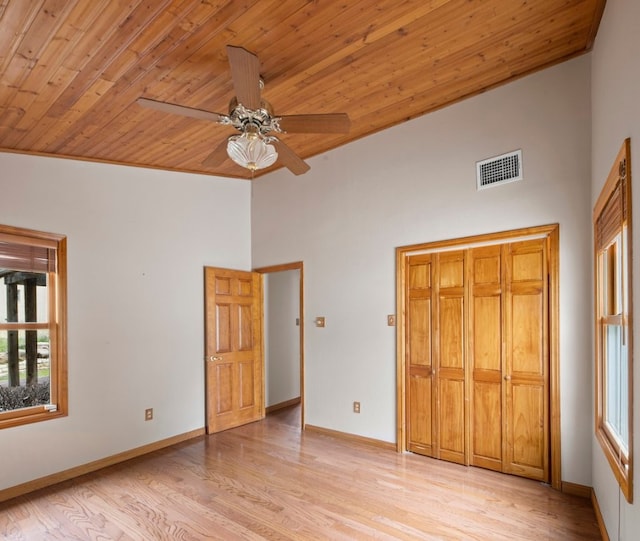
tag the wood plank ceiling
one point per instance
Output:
(71, 70)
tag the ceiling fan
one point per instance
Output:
(256, 147)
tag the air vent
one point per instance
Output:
(499, 170)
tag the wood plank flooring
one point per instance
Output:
(267, 480)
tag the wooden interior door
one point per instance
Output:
(234, 357)
(526, 374)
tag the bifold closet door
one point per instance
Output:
(478, 357)
(436, 355)
(509, 391)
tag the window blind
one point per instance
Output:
(613, 215)
(27, 258)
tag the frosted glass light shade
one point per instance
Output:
(249, 150)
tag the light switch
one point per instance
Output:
(391, 320)
(320, 321)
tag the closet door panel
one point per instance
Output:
(451, 332)
(527, 337)
(526, 427)
(420, 397)
(487, 444)
(420, 332)
(485, 320)
(450, 365)
(420, 427)
(526, 378)
(452, 428)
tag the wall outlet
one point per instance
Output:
(356, 407)
(148, 414)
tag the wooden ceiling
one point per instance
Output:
(71, 70)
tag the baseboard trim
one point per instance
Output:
(282, 405)
(351, 437)
(599, 519)
(575, 489)
(49, 480)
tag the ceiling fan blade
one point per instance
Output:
(290, 159)
(218, 156)
(329, 123)
(245, 71)
(180, 110)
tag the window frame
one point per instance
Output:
(56, 326)
(613, 306)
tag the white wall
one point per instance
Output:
(416, 183)
(138, 240)
(616, 116)
(282, 336)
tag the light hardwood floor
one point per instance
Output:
(267, 480)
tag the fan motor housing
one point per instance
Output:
(242, 117)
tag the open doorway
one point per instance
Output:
(283, 337)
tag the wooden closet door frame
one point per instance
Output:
(551, 233)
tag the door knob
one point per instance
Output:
(507, 378)
(213, 359)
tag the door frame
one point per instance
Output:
(552, 234)
(296, 265)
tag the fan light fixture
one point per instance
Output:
(251, 150)
(249, 113)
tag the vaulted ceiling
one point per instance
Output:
(72, 70)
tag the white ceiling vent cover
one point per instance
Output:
(499, 170)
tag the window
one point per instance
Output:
(33, 349)
(614, 378)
